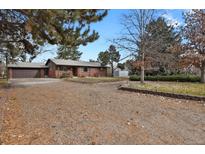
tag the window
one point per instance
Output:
(63, 68)
(85, 69)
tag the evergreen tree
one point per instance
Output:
(109, 57)
(163, 45)
(27, 30)
(65, 52)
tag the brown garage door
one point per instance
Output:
(25, 73)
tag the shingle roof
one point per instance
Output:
(27, 65)
(57, 62)
(76, 63)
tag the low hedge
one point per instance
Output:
(177, 78)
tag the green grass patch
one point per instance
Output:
(95, 79)
(196, 89)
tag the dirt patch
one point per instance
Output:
(74, 113)
(13, 124)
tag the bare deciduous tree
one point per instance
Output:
(134, 37)
(194, 34)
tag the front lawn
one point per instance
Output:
(95, 79)
(196, 89)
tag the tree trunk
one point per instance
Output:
(112, 67)
(203, 72)
(7, 61)
(142, 67)
(142, 74)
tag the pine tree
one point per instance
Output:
(109, 57)
(162, 45)
(65, 52)
(27, 30)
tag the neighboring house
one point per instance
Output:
(57, 68)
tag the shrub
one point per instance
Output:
(66, 75)
(176, 78)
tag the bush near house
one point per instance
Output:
(176, 78)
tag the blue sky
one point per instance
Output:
(108, 29)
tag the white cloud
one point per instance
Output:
(171, 20)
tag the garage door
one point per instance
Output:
(25, 73)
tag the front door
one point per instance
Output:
(75, 71)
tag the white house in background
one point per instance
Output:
(120, 73)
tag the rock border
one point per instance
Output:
(172, 95)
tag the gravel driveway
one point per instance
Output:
(32, 81)
(74, 113)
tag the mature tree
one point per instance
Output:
(134, 37)
(121, 66)
(163, 45)
(130, 65)
(194, 34)
(92, 60)
(26, 30)
(66, 52)
(109, 57)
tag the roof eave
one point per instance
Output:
(79, 65)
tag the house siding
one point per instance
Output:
(42, 73)
(51, 69)
(57, 71)
(9, 72)
(92, 72)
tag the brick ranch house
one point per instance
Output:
(56, 68)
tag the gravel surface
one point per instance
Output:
(32, 81)
(75, 113)
(3, 100)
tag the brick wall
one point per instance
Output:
(92, 72)
(9, 72)
(55, 72)
(51, 74)
(42, 73)
(59, 73)
(51, 69)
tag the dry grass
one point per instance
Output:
(196, 89)
(3, 83)
(95, 79)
